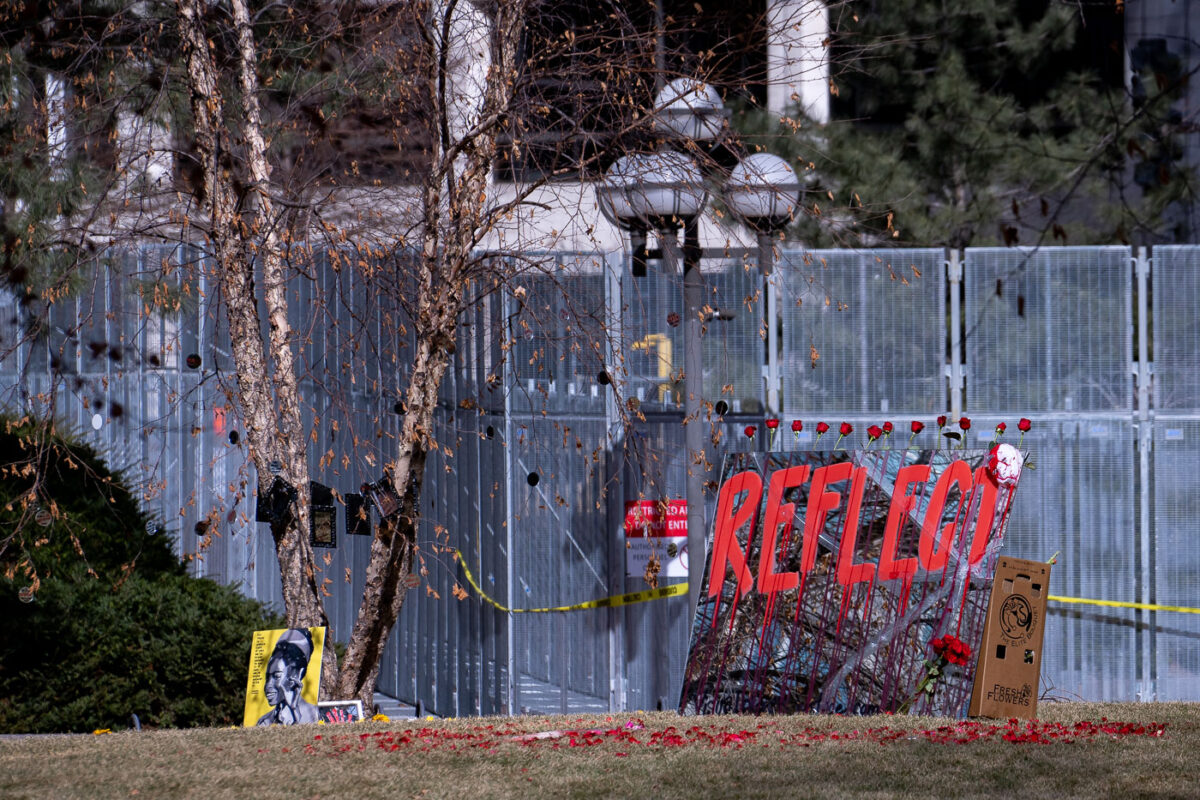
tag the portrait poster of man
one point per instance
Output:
(285, 677)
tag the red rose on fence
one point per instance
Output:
(1023, 426)
(822, 427)
(888, 428)
(749, 431)
(917, 426)
(772, 424)
(844, 431)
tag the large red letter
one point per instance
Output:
(935, 554)
(849, 573)
(986, 516)
(770, 581)
(820, 503)
(902, 503)
(725, 545)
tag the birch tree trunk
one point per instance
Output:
(242, 239)
(469, 107)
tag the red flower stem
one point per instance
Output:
(925, 681)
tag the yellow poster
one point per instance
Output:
(285, 677)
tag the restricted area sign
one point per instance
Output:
(656, 529)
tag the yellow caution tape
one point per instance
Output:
(606, 602)
(677, 589)
(1119, 604)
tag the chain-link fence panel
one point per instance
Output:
(562, 555)
(1176, 556)
(1049, 329)
(863, 331)
(650, 359)
(1077, 498)
(1176, 339)
(560, 339)
(109, 362)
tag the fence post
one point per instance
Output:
(614, 433)
(1144, 370)
(954, 274)
(771, 285)
(510, 690)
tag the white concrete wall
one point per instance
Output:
(797, 58)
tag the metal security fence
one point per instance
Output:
(1049, 334)
(564, 403)
(1048, 330)
(1171, 549)
(862, 331)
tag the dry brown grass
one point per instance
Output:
(487, 763)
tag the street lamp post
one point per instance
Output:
(666, 191)
(763, 193)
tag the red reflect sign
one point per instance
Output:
(833, 578)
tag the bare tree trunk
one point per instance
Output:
(454, 206)
(269, 399)
(394, 544)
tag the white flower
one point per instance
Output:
(1005, 465)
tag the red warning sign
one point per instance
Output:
(656, 530)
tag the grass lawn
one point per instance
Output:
(1077, 750)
